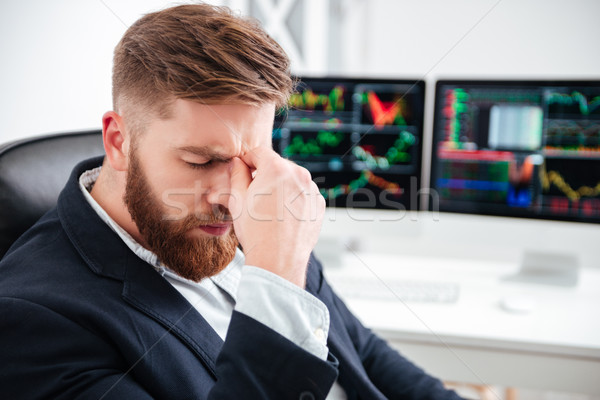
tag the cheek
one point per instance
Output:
(178, 200)
(174, 189)
(193, 190)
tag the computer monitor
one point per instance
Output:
(361, 139)
(519, 149)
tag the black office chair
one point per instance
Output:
(33, 171)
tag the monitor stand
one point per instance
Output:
(559, 269)
(347, 230)
(330, 251)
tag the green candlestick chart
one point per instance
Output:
(313, 146)
(395, 154)
(575, 98)
(309, 100)
(366, 177)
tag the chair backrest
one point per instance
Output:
(33, 171)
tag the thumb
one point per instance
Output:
(241, 178)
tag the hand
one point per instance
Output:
(277, 211)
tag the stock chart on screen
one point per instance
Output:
(518, 148)
(361, 139)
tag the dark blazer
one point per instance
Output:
(83, 317)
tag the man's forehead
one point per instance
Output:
(215, 131)
(210, 152)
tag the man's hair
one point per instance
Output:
(201, 53)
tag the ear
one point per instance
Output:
(116, 141)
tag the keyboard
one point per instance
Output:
(422, 291)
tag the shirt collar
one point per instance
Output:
(228, 279)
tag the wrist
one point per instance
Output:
(292, 269)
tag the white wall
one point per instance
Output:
(514, 38)
(56, 55)
(56, 65)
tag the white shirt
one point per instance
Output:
(273, 301)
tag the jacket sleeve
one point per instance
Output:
(394, 375)
(262, 364)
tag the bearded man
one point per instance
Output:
(178, 266)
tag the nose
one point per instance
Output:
(220, 186)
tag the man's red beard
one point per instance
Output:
(193, 258)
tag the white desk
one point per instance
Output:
(556, 346)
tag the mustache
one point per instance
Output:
(218, 216)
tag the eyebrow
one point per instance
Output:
(205, 152)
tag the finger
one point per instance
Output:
(260, 157)
(240, 175)
(240, 180)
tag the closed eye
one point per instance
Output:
(200, 165)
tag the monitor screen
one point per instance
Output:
(361, 139)
(517, 148)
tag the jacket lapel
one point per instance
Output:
(107, 255)
(150, 293)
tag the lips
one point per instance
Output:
(216, 229)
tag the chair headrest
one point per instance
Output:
(33, 171)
